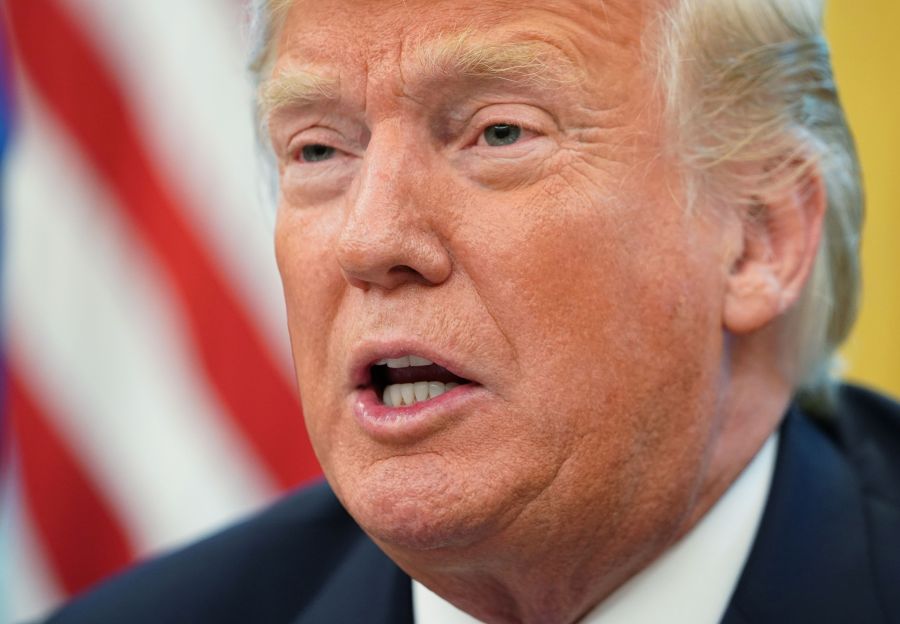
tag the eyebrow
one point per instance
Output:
(295, 87)
(529, 63)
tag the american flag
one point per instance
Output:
(148, 388)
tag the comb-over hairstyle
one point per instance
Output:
(752, 110)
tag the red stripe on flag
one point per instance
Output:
(82, 92)
(79, 531)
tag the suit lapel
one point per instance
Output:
(810, 561)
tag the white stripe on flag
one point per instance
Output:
(28, 588)
(94, 332)
(181, 67)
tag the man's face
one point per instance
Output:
(482, 183)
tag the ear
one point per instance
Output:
(780, 241)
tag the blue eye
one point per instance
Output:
(316, 152)
(499, 135)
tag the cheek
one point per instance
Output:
(565, 270)
(596, 300)
(312, 285)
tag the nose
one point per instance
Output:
(388, 237)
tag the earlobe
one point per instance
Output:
(780, 240)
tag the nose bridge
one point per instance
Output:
(382, 188)
(387, 237)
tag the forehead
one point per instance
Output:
(381, 36)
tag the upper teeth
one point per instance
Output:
(405, 362)
(399, 395)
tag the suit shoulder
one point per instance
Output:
(827, 546)
(868, 431)
(867, 428)
(262, 569)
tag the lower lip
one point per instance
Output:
(397, 424)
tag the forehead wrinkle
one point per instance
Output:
(534, 61)
(294, 88)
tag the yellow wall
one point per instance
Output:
(865, 39)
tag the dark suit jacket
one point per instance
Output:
(828, 548)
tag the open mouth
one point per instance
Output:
(410, 379)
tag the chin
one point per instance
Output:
(420, 505)
(420, 526)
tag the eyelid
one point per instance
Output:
(530, 132)
(295, 146)
(316, 136)
(527, 117)
(321, 134)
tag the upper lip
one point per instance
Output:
(367, 353)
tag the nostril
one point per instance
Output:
(405, 273)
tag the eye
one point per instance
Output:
(316, 152)
(499, 135)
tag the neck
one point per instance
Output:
(554, 590)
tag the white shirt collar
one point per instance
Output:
(692, 582)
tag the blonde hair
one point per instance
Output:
(749, 82)
(746, 82)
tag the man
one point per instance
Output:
(558, 278)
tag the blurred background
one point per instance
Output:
(147, 390)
